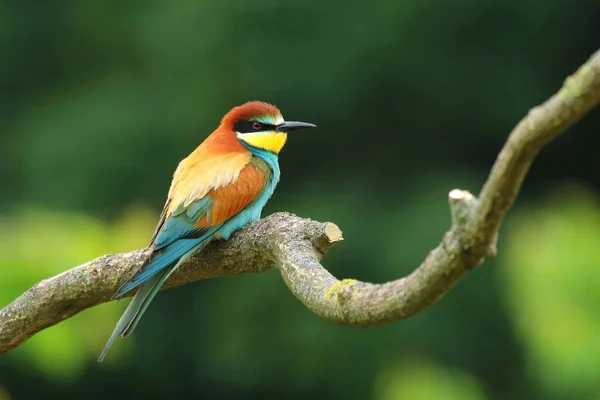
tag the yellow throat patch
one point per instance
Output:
(270, 141)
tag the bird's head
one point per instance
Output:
(260, 125)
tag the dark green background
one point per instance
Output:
(100, 100)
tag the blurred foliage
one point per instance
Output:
(100, 100)
(554, 291)
(63, 240)
(414, 379)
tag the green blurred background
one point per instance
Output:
(100, 100)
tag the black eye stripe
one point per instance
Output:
(248, 126)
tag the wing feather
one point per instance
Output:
(230, 199)
(183, 227)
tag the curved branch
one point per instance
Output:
(475, 222)
(296, 245)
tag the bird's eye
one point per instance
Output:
(257, 126)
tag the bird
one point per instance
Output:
(216, 190)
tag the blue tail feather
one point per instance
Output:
(146, 292)
(131, 312)
(162, 278)
(160, 261)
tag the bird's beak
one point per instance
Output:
(288, 126)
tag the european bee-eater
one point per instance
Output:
(219, 188)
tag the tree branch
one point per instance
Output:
(296, 245)
(249, 250)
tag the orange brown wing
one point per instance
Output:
(189, 226)
(229, 200)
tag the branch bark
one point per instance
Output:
(296, 245)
